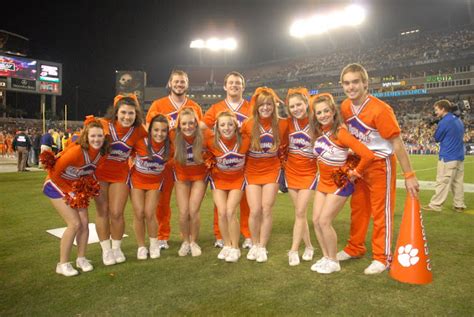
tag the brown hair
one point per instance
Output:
(258, 99)
(113, 110)
(177, 72)
(356, 68)
(337, 115)
(234, 73)
(83, 140)
(217, 134)
(179, 142)
(444, 104)
(159, 118)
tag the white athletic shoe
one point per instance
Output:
(343, 256)
(108, 257)
(293, 258)
(219, 243)
(163, 244)
(66, 269)
(252, 254)
(142, 253)
(224, 253)
(308, 254)
(318, 263)
(119, 256)
(195, 249)
(184, 249)
(329, 266)
(233, 256)
(155, 251)
(84, 264)
(376, 267)
(247, 243)
(262, 255)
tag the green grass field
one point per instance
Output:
(172, 285)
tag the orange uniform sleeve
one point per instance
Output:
(72, 157)
(153, 111)
(386, 122)
(210, 117)
(366, 155)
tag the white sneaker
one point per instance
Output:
(108, 257)
(247, 243)
(376, 267)
(195, 249)
(224, 253)
(66, 269)
(318, 263)
(233, 256)
(184, 249)
(308, 254)
(293, 258)
(219, 243)
(262, 255)
(155, 251)
(84, 264)
(343, 256)
(163, 244)
(119, 256)
(142, 253)
(252, 255)
(329, 266)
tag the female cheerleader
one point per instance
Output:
(124, 126)
(190, 174)
(146, 178)
(267, 135)
(228, 150)
(300, 168)
(80, 159)
(331, 149)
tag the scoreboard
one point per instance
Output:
(30, 75)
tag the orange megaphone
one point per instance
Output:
(411, 263)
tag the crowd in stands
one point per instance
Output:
(389, 53)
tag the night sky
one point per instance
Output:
(92, 39)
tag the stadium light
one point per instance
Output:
(214, 44)
(352, 15)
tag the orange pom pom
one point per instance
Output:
(47, 159)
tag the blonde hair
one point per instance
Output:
(217, 134)
(262, 97)
(180, 154)
(309, 109)
(356, 68)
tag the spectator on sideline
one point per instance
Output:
(21, 144)
(450, 170)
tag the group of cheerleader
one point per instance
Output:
(240, 154)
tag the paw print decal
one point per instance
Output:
(407, 255)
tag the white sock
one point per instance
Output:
(105, 244)
(116, 244)
(153, 242)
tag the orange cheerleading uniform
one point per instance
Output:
(69, 167)
(300, 167)
(190, 170)
(229, 158)
(166, 106)
(332, 152)
(147, 173)
(264, 167)
(122, 141)
(242, 112)
(170, 109)
(373, 123)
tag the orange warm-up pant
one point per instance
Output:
(244, 219)
(163, 210)
(374, 196)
